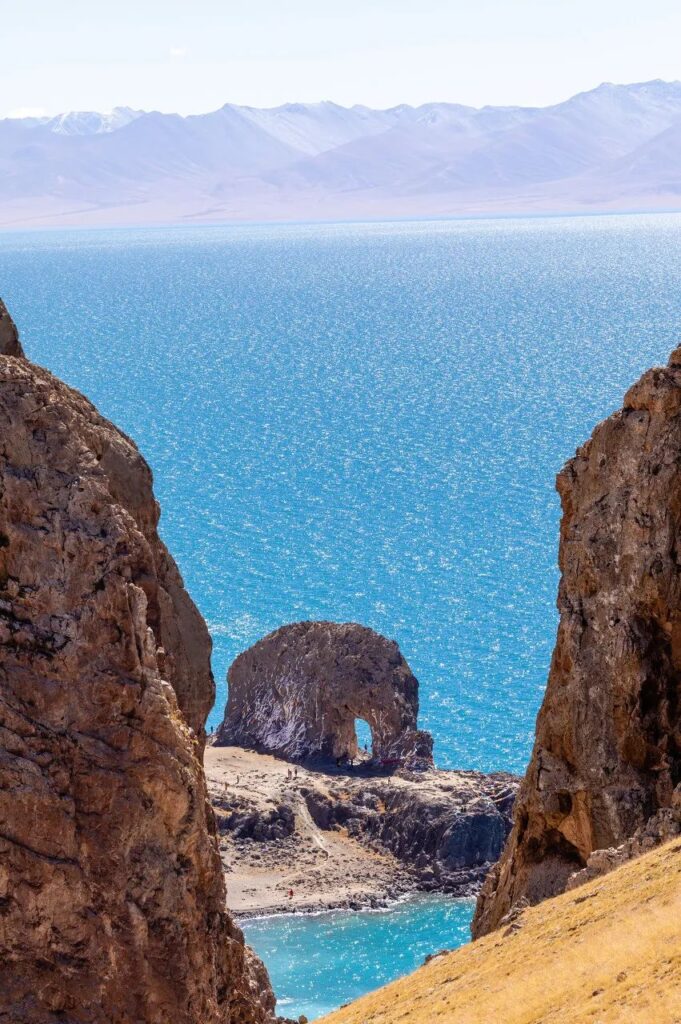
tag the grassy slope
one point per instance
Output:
(607, 953)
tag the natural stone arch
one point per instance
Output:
(298, 692)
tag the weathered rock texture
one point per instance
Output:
(298, 692)
(9, 335)
(664, 825)
(352, 837)
(446, 827)
(111, 891)
(607, 755)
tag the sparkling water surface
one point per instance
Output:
(318, 962)
(364, 422)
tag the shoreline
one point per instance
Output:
(300, 840)
(270, 845)
(354, 906)
(390, 904)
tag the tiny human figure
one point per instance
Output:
(295, 772)
(290, 894)
(288, 774)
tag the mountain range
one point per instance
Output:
(616, 147)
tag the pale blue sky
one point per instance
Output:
(195, 56)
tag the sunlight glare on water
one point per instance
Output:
(364, 422)
(319, 961)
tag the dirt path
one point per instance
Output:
(324, 869)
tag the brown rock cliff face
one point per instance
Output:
(607, 755)
(111, 891)
(9, 335)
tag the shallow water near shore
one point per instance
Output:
(317, 962)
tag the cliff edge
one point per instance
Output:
(112, 899)
(607, 756)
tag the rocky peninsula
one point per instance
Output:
(307, 820)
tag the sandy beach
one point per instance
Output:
(322, 869)
(303, 839)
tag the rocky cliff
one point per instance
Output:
(298, 692)
(9, 335)
(607, 756)
(111, 891)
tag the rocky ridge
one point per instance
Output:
(606, 766)
(112, 898)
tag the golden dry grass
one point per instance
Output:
(607, 953)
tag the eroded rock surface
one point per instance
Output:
(298, 693)
(111, 891)
(9, 335)
(607, 756)
(351, 838)
(663, 826)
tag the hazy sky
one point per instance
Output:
(195, 55)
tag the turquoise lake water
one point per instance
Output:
(318, 962)
(364, 422)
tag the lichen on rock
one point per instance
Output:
(607, 756)
(298, 692)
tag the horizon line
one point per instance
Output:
(37, 114)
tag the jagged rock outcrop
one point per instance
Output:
(9, 335)
(607, 755)
(297, 693)
(351, 837)
(447, 827)
(112, 900)
(664, 825)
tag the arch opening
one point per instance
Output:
(364, 738)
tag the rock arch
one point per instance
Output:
(297, 693)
